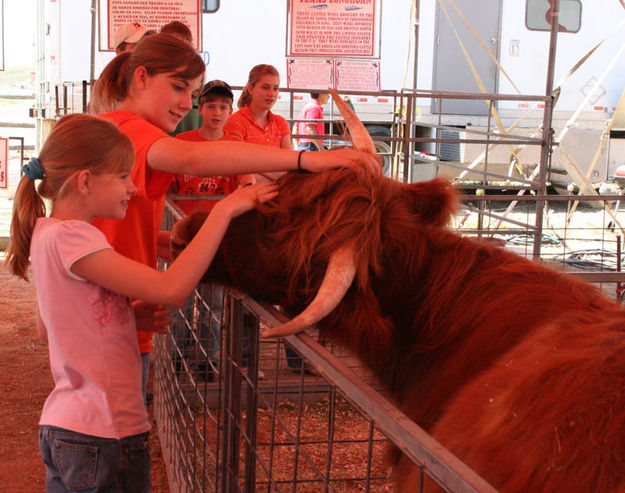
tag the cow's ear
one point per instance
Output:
(433, 201)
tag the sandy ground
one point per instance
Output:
(25, 381)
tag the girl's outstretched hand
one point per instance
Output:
(341, 158)
(247, 197)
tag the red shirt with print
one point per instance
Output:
(202, 185)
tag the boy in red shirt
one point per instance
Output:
(214, 106)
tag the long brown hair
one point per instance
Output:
(158, 53)
(77, 142)
(255, 75)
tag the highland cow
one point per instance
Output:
(516, 368)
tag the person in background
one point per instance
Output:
(255, 123)
(94, 426)
(313, 110)
(126, 37)
(192, 119)
(146, 93)
(178, 29)
(214, 106)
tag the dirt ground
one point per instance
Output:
(25, 381)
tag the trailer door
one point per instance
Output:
(452, 71)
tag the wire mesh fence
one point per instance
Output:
(247, 421)
(581, 235)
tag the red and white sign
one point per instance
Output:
(4, 163)
(341, 74)
(357, 75)
(310, 73)
(153, 14)
(333, 27)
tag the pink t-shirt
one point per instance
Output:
(311, 111)
(92, 337)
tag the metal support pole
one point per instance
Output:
(416, 44)
(408, 144)
(251, 407)
(84, 96)
(93, 31)
(56, 100)
(64, 99)
(232, 397)
(545, 151)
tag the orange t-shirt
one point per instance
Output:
(135, 235)
(202, 185)
(242, 126)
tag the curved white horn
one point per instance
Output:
(360, 137)
(337, 280)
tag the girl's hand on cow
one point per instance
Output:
(340, 158)
(151, 318)
(247, 197)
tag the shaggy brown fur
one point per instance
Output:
(516, 368)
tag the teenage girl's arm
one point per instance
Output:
(285, 143)
(172, 287)
(219, 157)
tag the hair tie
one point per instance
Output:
(33, 169)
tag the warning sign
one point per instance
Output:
(4, 160)
(332, 27)
(357, 75)
(153, 14)
(310, 73)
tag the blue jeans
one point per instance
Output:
(83, 463)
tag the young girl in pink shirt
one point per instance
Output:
(94, 425)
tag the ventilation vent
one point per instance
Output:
(451, 151)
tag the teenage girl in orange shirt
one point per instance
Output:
(255, 122)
